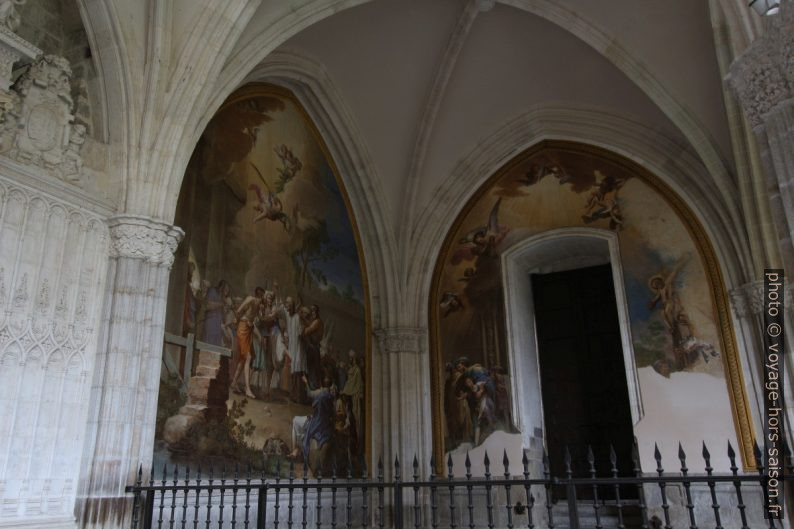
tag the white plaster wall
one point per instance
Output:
(53, 257)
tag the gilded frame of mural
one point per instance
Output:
(733, 371)
(257, 89)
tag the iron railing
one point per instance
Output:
(289, 498)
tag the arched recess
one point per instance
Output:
(705, 266)
(556, 250)
(675, 164)
(263, 205)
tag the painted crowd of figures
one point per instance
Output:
(283, 351)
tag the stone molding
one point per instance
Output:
(762, 77)
(139, 237)
(397, 340)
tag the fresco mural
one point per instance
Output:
(671, 309)
(267, 299)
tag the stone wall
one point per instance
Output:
(52, 269)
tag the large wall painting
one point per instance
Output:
(268, 288)
(674, 318)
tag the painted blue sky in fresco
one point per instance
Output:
(343, 270)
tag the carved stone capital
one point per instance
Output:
(748, 299)
(138, 237)
(400, 339)
(763, 76)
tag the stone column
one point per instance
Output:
(127, 370)
(401, 410)
(748, 307)
(763, 80)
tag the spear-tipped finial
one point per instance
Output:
(657, 455)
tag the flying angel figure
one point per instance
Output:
(269, 206)
(482, 240)
(603, 201)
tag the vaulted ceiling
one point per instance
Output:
(425, 81)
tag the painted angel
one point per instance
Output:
(482, 240)
(269, 207)
(603, 201)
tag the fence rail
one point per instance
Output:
(660, 499)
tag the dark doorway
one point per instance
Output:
(582, 374)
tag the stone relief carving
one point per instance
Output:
(763, 76)
(34, 290)
(54, 254)
(38, 126)
(21, 293)
(137, 237)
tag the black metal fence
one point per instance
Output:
(659, 499)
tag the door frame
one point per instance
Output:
(555, 250)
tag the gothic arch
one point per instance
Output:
(676, 165)
(714, 267)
